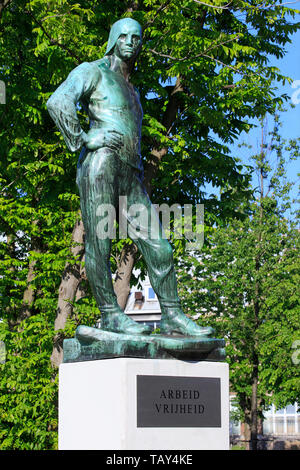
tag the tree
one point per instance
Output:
(246, 283)
(198, 91)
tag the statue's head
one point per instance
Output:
(125, 39)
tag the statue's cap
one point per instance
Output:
(121, 27)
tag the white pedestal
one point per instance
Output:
(98, 406)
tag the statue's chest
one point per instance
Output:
(113, 92)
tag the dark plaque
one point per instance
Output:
(170, 402)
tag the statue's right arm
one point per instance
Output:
(62, 104)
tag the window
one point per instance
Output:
(234, 424)
(150, 294)
(153, 324)
(234, 427)
(283, 421)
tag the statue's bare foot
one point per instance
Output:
(175, 322)
(119, 322)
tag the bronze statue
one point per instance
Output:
(110, 166)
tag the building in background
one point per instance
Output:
(280, 429)
(143, 306)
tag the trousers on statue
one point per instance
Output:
(103, 181)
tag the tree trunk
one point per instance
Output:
(4, 4)
(70, 281)
(247, 433)
(123, 275)
(29, 295)
(256, 313)
(254, 411)
(12, 314)
(81, 289)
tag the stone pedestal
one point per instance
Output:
(143, 404)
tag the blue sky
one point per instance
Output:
(289, 66)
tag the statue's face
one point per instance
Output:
(129, 43)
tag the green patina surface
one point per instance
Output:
(93, 343)
(109, 167)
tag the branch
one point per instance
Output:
(202, 54)
(4, 4)
(221, 44)
(133, 7)
(223, 63)
(21, 176)
(262, 6)
(52, 41)
(161, 8)
(225, 7)
(197, 55)
(53, 16)
(164, 55)
(276, 5)
(10, 230)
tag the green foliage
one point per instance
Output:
(245, 282)
(28, 398)
(217, 58)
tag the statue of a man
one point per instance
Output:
(110, 166)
